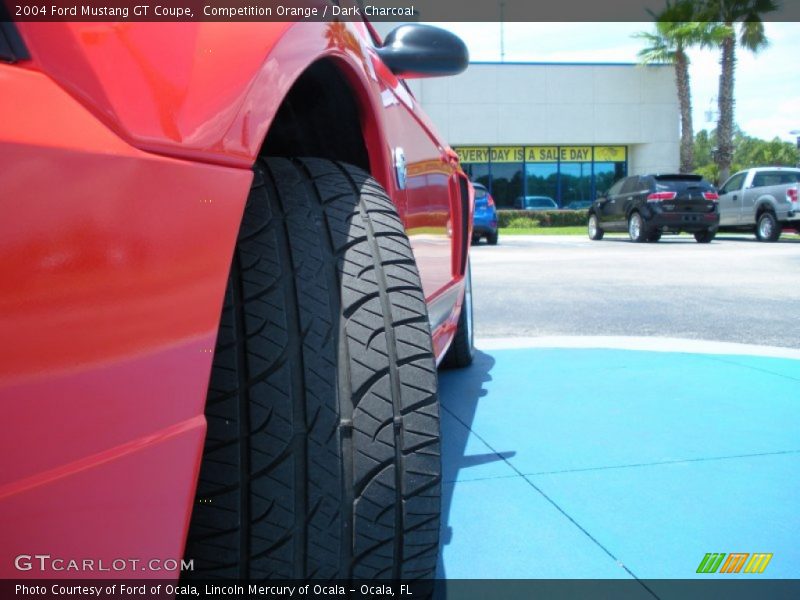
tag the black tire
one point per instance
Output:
(462, 350)
(768, 229)
(638, 233)
(705, 237)
(654, 236)
(322, 457)
(492, 238)
(593, 228)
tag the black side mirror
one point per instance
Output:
(414, 50)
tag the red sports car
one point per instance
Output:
(232, 256)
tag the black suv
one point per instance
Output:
(649, 205)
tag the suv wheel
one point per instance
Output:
(491, 238)
(636, 227)
(768, 229)
(594, 230)
(654, 236)
(321, 459)
(705, 237)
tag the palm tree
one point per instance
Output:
(675, 32)
(748, 14)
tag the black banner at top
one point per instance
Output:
(354, 10)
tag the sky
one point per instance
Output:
(767, 89)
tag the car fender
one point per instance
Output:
(215, 98)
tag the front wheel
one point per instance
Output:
(705, 237)
(768, 229)
(593, 229)
(636, 228)
(462, 350)
(321, 459)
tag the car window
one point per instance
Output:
(614, 189)
(539, 203)
(733, 184)
(480, 193)
(631, 185)
(767, 178)
(790, 177)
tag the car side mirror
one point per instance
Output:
(414, 51)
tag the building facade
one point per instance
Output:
(562, 130)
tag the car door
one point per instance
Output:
(604, 205)
(626, 197)
(756, 190)
(730, 200)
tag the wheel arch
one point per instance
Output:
(764, 205)
(328, 112)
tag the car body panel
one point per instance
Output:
(126, 170)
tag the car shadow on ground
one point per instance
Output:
(465, 387)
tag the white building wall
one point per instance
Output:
(580, 104)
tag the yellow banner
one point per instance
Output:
(609, 153)
(575, 153)
(506, 154)
(473, 154)
(541, 154)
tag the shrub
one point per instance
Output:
(519, 219)
(521, 223)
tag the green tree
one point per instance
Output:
(747, 152)
(749, 34)
(675, 31)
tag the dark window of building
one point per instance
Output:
(576, 182)
(506, 183)
(477, 172)
(541, 179)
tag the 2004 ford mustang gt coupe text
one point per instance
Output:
(232, 256)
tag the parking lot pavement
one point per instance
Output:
(734, 289)
(565, 459)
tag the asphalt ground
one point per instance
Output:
(621, 429)
(734, 289)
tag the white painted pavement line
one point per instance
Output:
(647, 344)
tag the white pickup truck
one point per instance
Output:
(764, 199)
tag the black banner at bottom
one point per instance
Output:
(453, 589)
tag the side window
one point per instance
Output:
(733, 184)
(614, 189)
(768, 178)
(631, 185)
(790, 177)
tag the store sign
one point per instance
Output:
(506, 154)
(473, 154)
(609, 153)
(539, 154)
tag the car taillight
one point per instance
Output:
(489, 200)
(711, 196)
(791, 194)
(661, 196)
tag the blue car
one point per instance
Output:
(484, 221)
